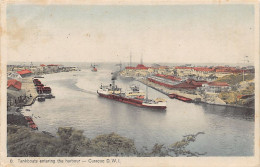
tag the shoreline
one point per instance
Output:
(185, 94)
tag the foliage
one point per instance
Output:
(229, 97)
(179, 147)
(234, 79)
(24, 142)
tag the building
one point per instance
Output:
(13, 75)
(172, 82)
(14, 85)
(24, 73)
(139, 71)
(138, 67)
(215, 87)
(15, 96)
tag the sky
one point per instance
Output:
(101, 33)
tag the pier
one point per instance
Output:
(28, 86)
(166, 91)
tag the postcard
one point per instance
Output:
(129, 83)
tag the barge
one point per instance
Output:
(182, 98)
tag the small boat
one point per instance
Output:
(30, 122)
(93, 68)
(33, 126)
(38, 76)
(41, 99)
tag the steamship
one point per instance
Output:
(134, 96)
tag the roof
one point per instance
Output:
(42, 65)
(180, 67)
(52, 65)
(173, 78)
(24, 72)
(218, 84)
(14, 83)
(138, 67)
(141, 66)
(198, 83)
(203, 69)
(185, 85)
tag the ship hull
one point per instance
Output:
(135, 102)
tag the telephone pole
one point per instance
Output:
(245, 61)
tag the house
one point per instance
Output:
(215, 87)
(13, 84)
(24, 73)
(13, 75)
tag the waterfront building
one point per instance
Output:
(13, 84)
(172, 82)
(215, 87)
(15, 95)
(24, 73)
(52, 68)
(13, 75)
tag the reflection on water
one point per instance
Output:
(228, 131)
(233, 112)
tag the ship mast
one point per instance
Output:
(245, 61)
(142, 58)
(130, 59)
(146, 93)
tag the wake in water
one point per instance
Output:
(88, 91)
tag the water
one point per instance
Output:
(228, 131)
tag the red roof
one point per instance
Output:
(43, 65)
(138, 67)
(198, 83)
(179, 67)
(185, 85)
(169, 77)
(24, 72)
(203, 69)
(163, 67)
(141, 67)
(218, 84)
(14, 83)
(195, 83)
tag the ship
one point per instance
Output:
(133, 97)
(93, 68)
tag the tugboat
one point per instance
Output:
(134, 97)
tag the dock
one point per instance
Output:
(167, 91)
(31, 93)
